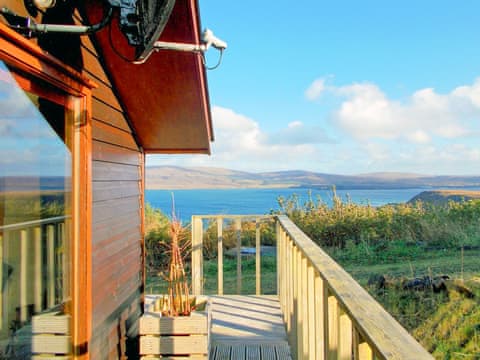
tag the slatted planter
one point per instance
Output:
(51, 336)
(174, 337)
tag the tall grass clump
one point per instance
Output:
(345, 223)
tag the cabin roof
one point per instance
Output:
(165, 99)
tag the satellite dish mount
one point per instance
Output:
(141, 22)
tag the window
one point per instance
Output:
(45, 199)
(35, 206)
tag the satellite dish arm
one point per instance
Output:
(208, 39)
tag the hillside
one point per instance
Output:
(173, 177)
(442, 197)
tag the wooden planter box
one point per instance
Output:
(51, 336)
(176, 337)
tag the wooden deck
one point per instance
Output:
(248, 327)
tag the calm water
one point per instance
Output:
(260, 201)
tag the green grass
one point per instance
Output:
(157, 285)
(409, 262)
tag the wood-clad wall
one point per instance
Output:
(117, 211)
(117, 166)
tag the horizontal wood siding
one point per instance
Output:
(117, 225)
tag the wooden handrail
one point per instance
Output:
(327, 313)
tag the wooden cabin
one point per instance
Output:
(77, 118)
(76, 121)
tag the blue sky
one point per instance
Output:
(344, 86)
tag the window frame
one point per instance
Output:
(30, 65)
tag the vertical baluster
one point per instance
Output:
(361, 349)
(345, 336)
(312, 316)
(63, 258)
(304, 306)
(38, 298)
(220, 254)
(50, 266)
(197, 255)
(280, 265)
(299, 301)
(23, 274)
(332, 327)
(258, 274)
(238, 231)
(288, 283)
(293, 301)
(321, 312)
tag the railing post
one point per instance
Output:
(361, 349)
(312, 316)
(23, 274)
(197, 255)
(300, 319)
(294, 300)
(258, 275)
(345, 335)
(63, 258)
(280, 264)
(332, 327)
(289, 282)
(238, 231)
(50, 266)
(37, 238)
(220, 254)
(321, 325)
(304, 306)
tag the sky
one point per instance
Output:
(344, 87)
(28, 145)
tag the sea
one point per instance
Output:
(263, 201)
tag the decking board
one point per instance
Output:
(248, 327)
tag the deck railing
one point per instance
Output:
(327, 314)
(33, 262)
(197, 249)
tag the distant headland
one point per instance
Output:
(174, 178)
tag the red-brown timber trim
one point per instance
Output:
(33, 64)
(142, 224)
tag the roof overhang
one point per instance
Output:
(166, 98)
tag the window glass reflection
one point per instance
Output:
(35, 208)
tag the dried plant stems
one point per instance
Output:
(178, 294)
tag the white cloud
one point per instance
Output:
(241, 140)
(295, 124)
(427, 132)
(315, 89)
(241, 143)
(367, 113)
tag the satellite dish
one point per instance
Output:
(154, 16)
(142, 22)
